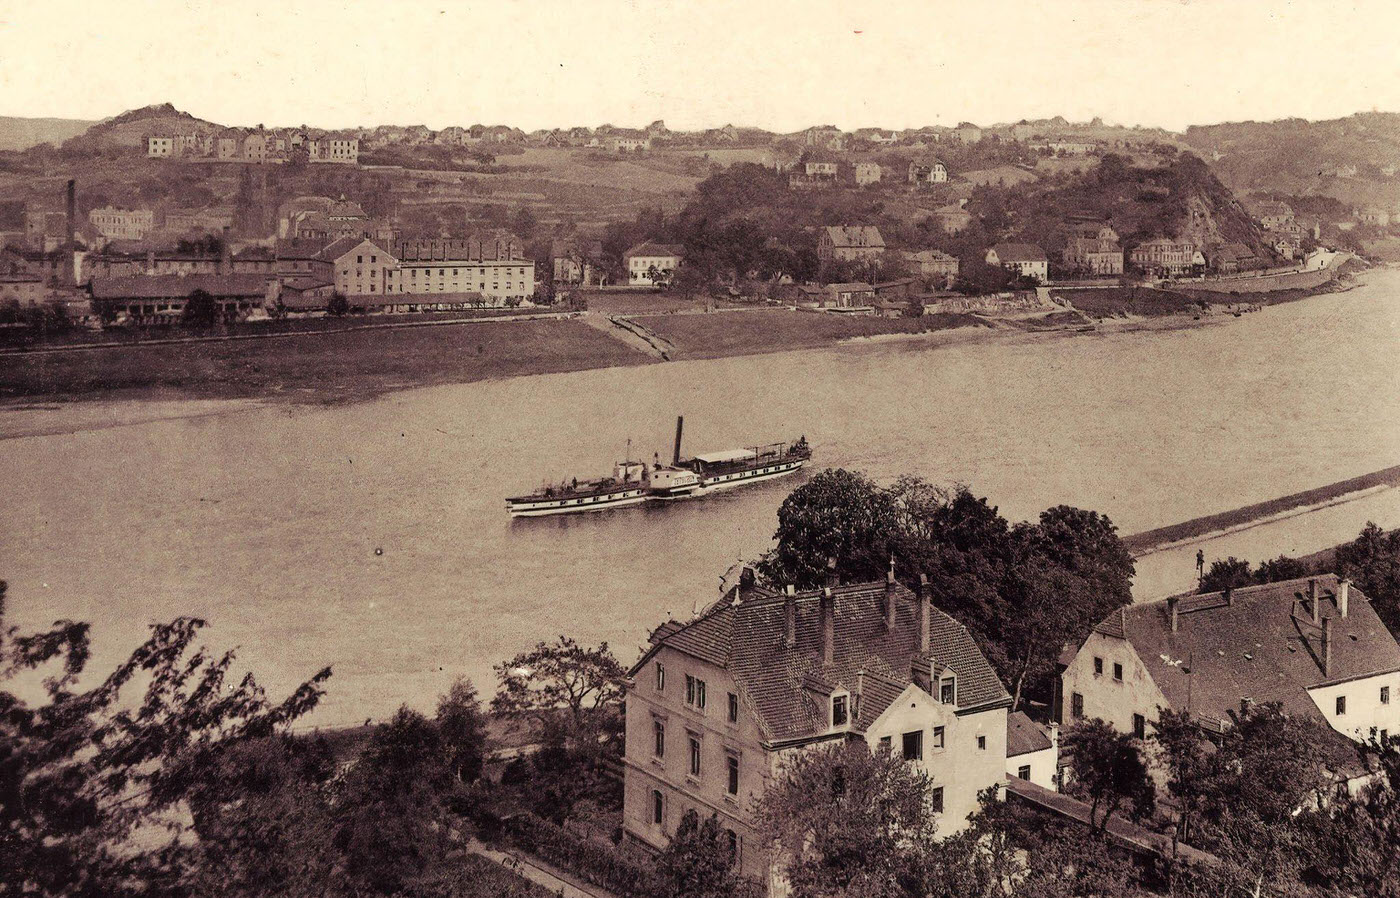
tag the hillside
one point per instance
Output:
(1355, 159)
(23, 133)
(131, 128)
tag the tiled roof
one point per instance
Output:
(1262, 645)
(1019, 252)
(1024, 735)
(340, 247)
(654, 249)
(744, 633)
(178, 286)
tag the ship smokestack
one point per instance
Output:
(676, 455)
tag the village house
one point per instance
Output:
(932, 264)
(122, 224)
(851, 243)
(1274, 216)
(22, 287)
(1026, 259)
(576, 261)
(1032, 752)
(1314, 645)
(652, 264)
(490, 263)
(334, 149)
(1093, 249)
(1232, 258)
(360, 266)
(629, 142)
(867, 173)
(849, 297)
(923, 174)
(717, 704)
(1166, 256)
(952, 218)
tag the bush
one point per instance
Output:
(594, 862)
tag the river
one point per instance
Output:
(373, 537)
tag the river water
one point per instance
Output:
(373, 537)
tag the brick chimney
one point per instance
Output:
(1343, 596)
(832, 579)
(828, 620)
(1327, 646)
(889, 598)
(1172, 604)
(925, 613)
(1312, 599)
(790, 617)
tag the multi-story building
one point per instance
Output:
(122, 224)
(490, 264)
(650, 263)
(850, 243)
(1314, 645)
(932, 264)
(361, 267)
(157, 147)
(344, 150)
(576, 261)
(1163, 255)
(1026, 259)
(21, 287)
(716, 705)
(922, 174)
(1274, 216)
(1094, 249)
(867, 173)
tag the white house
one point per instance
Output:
(651, 264)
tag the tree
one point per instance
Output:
(1280, 568)
(91, 778)
(837, 514)
(1229, 573)
(1109, 769)
(1372, 560)
(844, 819)
(201, 309)
(463, 730)
(587, 684)
(698, 862)
(338, 305)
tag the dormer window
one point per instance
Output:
(948, 690)
(840, 710)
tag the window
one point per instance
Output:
(733, 847)
(981, 743)
(1341, 705)
(659, 731)
(700, 694)
(1139, 726)
(733, 708)
(359, 260)
(1098, 667)
(839, 708)
(935, 799)
(1076, 705)
(658, 807)
(1117, 671)
(938, 737)
(947, 692)
(886, 743)
(660, 677)
(914, 746)
(1385, 695)
(689, 689)
(694, 756)
(733, 784)
(1024, 771)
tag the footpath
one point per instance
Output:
(540, 873)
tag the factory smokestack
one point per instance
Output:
(69, 247)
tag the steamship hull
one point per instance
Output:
(540, 506)
(717, 482)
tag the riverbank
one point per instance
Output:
(352, 364)
(1211, 526)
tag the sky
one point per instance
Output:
(777, 64)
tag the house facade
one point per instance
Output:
(932, 264)
(652, 264)
(1314, 645)
(122, 224)
(923, 174)
(1026, 259)
(716, 705)
(1094, 255)
(491, 264)
(867, 173)
(1163, 255)
(360, 266)
(851, 243)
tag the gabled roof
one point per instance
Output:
(850, 287)
(853, 236)
(1024, 735)
(1019, 252)
(339, 248)
(1262, 645)
(744, 634)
